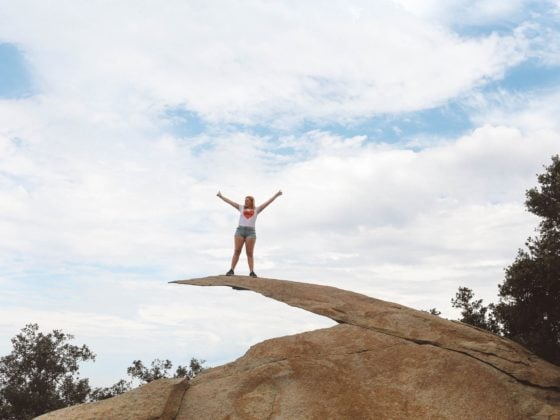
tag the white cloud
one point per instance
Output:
(533, 112)
(249, 63)
(543, 40)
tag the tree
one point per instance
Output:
(474, 312)
(159, 369)
(118, 388)
(41, 374)
(529, 306)
(194, 368)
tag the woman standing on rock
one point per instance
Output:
(245, 233)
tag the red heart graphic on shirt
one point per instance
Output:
(248, 213)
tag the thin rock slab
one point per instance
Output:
(400, 321)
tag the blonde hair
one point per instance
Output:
(250, 197)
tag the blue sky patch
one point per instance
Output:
(184, 122)
(529, 75)
(15, 81)
(535, 11)
(484, 30)
(449, 120)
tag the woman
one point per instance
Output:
(245, 233)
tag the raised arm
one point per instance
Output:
(266, 203)
(227, 200)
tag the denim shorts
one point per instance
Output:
(246, 232)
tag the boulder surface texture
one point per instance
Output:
(382, 361)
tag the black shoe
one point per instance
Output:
(252, 274)
(229, 273)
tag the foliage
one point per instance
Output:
(529, 306)
(159, 369)
(473, 312)
(118, 388)
(194, 368)
(41, 374)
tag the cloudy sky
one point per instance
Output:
(403, 134)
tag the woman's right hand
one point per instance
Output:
(219, 194)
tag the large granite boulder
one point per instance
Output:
(383, 361)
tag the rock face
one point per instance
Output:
(156, 400)
(383, 361)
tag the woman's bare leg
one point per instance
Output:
(237, 247)
(249, 247)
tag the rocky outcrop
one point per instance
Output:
(382, 361)
(157, 400)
